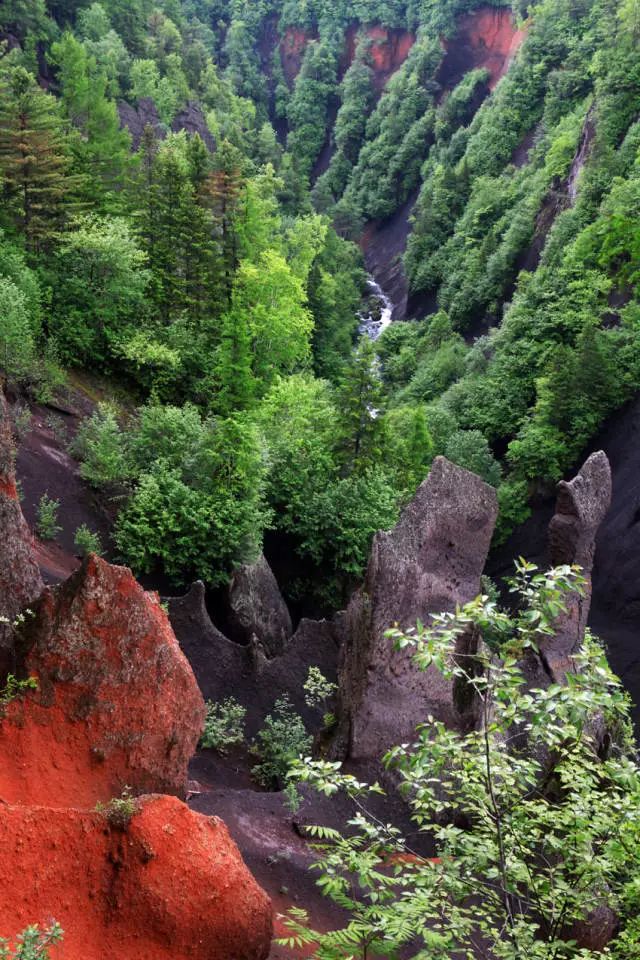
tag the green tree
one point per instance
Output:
(34, 161)
(100, 294)
(102, 151)
(360, 402)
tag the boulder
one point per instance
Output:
(169, 884)
(117, 703)
(257, 608)
(581, 507)
(20, 580)
(430, 562)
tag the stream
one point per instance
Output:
(377, 313)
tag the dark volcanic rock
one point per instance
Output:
(192, 119)
(431, 561)
(224, 668)
(145, 114)
(20, 580)
(581, 507)
(257, 608)
(135, 119)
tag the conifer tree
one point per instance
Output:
(102, 151)
(360, 400)
(34, 161)
(235, 380)
(225, 188)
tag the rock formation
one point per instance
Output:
(224, 668)
(257, 608)
(581, 507)
(117, 702)
(431, 561)
(20, 580)
(172, 884)
(145, 114)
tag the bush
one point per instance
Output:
(282, 740)
(100, 446)
(47, 524)
(224, 725)
(14, 688)
(32, 944)
(120, 810)
(87, 541)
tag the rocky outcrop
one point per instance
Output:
(172, 884)
(581, 507)
(145, 114)
(257, 608)
(117, 702)
(487, 38)
(224, 668)
(387, 49)
(192, 120)
(137, 118)
(431, 561)
(20, 580)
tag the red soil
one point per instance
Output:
(388, 50)
(292, 49)
(117, 702)
(171, 885)
(486, 38)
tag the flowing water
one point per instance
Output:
(377, 314)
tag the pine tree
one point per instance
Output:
(233, 366)
(34, 161)
(360, 400)
(102, 150)
(225, 187)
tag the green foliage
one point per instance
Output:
(100, 445)
(119, 811)
(32, 944)
(223, 725)
(201, 514)
(88, 541)
(282, 740)
(545, 824)
(14, 688)
(101, 289)
(469, 449)
(47, 525)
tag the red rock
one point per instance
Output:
(487, 38)
(292, 50)
(117, 702)
(173, 884)
(388, 49)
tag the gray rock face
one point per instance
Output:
(20, 580)
(431, 561)
(135, 119)
(581, 507)
(192, 119)
(227, 669)
(258, 609)
(145, 114)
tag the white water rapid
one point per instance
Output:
(380, 311)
